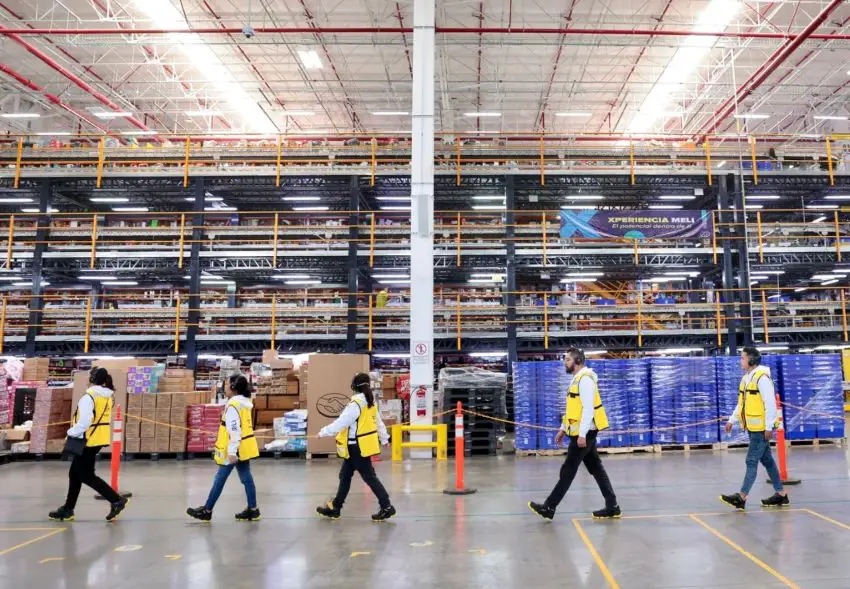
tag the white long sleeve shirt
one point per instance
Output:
(85, 411)
(234, 424)
(767, 392)
(587, 394)
(348, 418)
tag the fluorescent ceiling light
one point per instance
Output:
(109, 199)
(494, 197)
(665, 207)
(482, 114)
(677, 351)
(303, 282)
(29, 284)
(763, 197)
(494, 276)
(292, 276)
(686, 274)
(578, 207)
(759, 277)
(775, 272)
(395, 281)
(721, 164)
(572, 280)
(489, 208)
(821, 206)
(666, 279)
(217, 281)
(395, 208)
(310, 208)
(13, 201)
(752, 115)
(298, 113)
(112, 115)
(302, 198)
(801, 289)
(11, 278)
(206, 198)
(391, 276)
(818, 220)
(753, 206)
(390, 356)
(584, 197)
(34, 210)
(595, 352)
(676, 197)
(488, 355)
(97, 277)
(483, 281)
(224, 208)
(828, 282)
(586, 274)
(139, 132)
(715, 16)
(393, 198)
(202, 113)
(771, 348)
(829, 118)
(837, 197)
(130, 209)
(20, 115)
(120, 283)
(310, 59)
(574, 115)
(822, 276)
(391, 113)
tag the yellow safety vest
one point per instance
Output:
(248, 448)
(97, 435)
(367, 432)
(750, 402)
(572, 418)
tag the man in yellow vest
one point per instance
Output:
(757, 414)
(584, 417)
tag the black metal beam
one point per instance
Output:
(41, 237)
(510, 266)
(353, 272)
(727, 296)
(193, 318)
(742, 251)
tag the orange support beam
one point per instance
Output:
(182, 240)
(101, 158)
(19, 156)
(707, 147)
(93, 241)
(760, 237)
(829, 162)
(716, 218)
(752, 141)
(837, 235)
(764, 316)
(11, 241)
(186, 163)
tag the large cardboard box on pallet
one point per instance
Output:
(37, 369)
(328, 391)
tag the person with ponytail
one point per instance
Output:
(360, 433)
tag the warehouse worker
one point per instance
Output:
(360, 433)
(757, 414)
(382, 298)
(91, 423)
(235, 447)
(584, 417)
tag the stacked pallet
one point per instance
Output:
(611, 375)
(37, 369)
(813, 393)
(553, 382)
(156, 423)
(52, 406)
(480, 391)
(684, 401)
(525, 404)
(203, 422)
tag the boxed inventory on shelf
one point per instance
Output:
(482, 391)
(158, 422)
(37, 369)
(52, 409)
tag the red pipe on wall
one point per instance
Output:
(767, 68)
(51, 97)
(72, 77)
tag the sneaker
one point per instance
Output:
(776, 500)
(735, 501)
(383, 515)
(117, 508)
(608, 513)
(543, 510)
(329, 511)
(200, 513)
(249, 515)
(63, 514)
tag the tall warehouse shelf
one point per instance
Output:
(157, 255)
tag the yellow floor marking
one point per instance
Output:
(129, 548)
(51, 559)
(828, 519)
(356, 554)
(787, 582)
(27, 529)
(33, 541)
(712, 514)
(421, 544)
(173, 556)
(598, 559)
(478, 551)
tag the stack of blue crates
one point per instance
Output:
(636, 384)
(684, 400)
(812, 382)
(666, 384)
(525, 404)
(728, 373)
(611, 375)
(552, 383)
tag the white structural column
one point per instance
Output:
(422, 224)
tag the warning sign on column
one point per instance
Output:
(420, 353)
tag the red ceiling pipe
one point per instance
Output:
(767, 68)
(72, 77)
(439, 30)
(51, 97)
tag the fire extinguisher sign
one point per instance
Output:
(420, 353)
(420, 400)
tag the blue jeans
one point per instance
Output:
(244, 470)
(759, 451)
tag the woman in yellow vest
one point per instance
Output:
(91, 422)
(234, 448)
(584, 417)
(360, 433)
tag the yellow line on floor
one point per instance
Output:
(710, 514)
(27, 529)
(787, 582)
(33, 541)
(598, 559)
(828, 519)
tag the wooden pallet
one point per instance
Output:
(817, 442)
(628, 449)
(554, 452)
(689, 447)
(314, 455)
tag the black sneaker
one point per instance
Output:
(63, 514)
(543, 510)
(608, 513)
(735, 501)
(249, 515)
(383, 515)
(200, 513)
(117, 508)
(776, 500)
(329, 511)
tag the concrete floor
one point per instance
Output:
(487, 540)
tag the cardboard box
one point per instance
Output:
(282, 402)
(163, 402)
(267, 417)
(148, 402)
(147, 445)
(134, 404)
(179, 373)
(132, 446)
(292, 387)
(177, 445)
(388, 381)
(162, 445)
(328, 392)
(118, 368)
(163, 416)
(132, 429)
(16, 435)
(147, 431)
(178, 416)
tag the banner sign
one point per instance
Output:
(643, 224)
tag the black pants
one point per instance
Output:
(590, 457)
(356, 463)
(82, 473)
